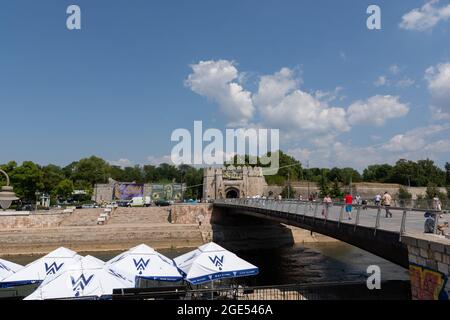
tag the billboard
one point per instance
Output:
(126, 191)
(166, 191)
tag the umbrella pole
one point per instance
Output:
(212, 290)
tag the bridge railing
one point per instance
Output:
(395, 219)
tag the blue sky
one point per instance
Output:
(120, 86)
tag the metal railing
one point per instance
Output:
(391, 218)
(307, 291)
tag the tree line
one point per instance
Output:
(60, 182)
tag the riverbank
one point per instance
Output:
(161, 228)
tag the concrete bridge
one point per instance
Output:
(399, 239)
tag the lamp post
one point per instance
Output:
(7, 195)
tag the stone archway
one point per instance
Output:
(232, 193)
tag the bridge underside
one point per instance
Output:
(385, 244)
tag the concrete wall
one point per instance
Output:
(188, 214)
(32, 220)
(239, 231)
(365, 189)
(429, 266)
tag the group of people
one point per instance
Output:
(385, 200)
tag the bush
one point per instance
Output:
(288, 192)
(403, 194)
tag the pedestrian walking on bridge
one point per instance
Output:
(327, 202)
(349, 205)
(387, 200)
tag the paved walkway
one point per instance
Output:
(414, 222)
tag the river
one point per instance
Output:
(297, 264)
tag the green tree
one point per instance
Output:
(93, 170)
(150, 173)
(64, 189)
(336, 191)
(193, 178)
(8, 168)
(133, 174)
(335, 174)
(447, 173)
(27, 179)
(53, 175)
(433, 191)
(403, 194)
(377, 173)
(350, 175)
(288, 192)
(323, 186)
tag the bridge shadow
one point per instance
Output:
(241, 232)
(383, 243)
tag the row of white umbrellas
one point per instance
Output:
(64, 274)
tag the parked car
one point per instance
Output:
(89, 206)
(140, 202)
(162, 203)
(123, 203)
(25, 207)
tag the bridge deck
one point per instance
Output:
(368, 228)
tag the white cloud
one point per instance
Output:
(416, 144)
(394, 78)
(438, 114)
(283, 105)
(217, 80)
(273, 88)
(157, 160)
(381, 81)
(426, 17)
(376, 110)
(414, 140)
(438, 78)
(330, 96)
(121, 163)
(405, 82)
(394, 69)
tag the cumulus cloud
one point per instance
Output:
(283, 105)
(219, 82)
(273, 88)
(438, 79)
(416, 144)
(121, 163)
(376, 110)
(414, 140)
(426, 17)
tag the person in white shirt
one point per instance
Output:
(377, 199)
(437, 205)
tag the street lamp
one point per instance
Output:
(7, 195)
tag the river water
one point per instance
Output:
(297, 264)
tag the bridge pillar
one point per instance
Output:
(429, 266)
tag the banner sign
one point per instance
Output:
(127, 191)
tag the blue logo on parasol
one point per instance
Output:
(53, 268)
(141, 264)
(80, 283)
(218, 262)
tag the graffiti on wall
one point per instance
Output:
(427, 284)
(167, 191)
(127, 191)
